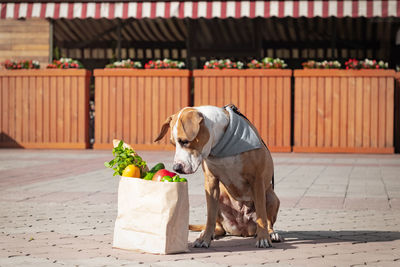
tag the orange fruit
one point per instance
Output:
(131, 171)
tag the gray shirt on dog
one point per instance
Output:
(239, 137)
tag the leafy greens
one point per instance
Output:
(124, 157)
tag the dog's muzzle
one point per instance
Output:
(178, 167)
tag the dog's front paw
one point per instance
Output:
(275, 237)
(202, 242)
(263, 239)
(263, 243)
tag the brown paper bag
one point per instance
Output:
(152, 216)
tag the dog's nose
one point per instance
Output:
(178, 167)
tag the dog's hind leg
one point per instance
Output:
(272, 213)
(219, 230)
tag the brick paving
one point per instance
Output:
(57, 207)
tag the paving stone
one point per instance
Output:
(395, 203)
(185, 263)
(367, 203)
(323, 202)
(27, 261)
(289, 202)
(101, 261)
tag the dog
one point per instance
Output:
(239, 193)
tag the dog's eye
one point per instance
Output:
(183, 142)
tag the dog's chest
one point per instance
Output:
(229, 171)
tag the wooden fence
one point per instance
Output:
(397, 113)
(132, 105)
(344, 111)
(264, 96)
(335, 110)
(44, 108)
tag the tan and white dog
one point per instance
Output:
(239, 193)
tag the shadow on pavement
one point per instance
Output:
(295, 238)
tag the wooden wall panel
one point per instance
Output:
(24, 39)
(44, 108)
(133, 104)
(261, 95)
(354, 109)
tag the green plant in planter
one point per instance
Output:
(365, 64)
(311, 64)
(21, 64)
(125, 64)
(65, 63)
(164, 64)
(267, 63)
(223, 64)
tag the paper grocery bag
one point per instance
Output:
(152, 216)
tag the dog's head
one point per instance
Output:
(191, 138)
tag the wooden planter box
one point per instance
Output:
(44, 108)
(263, 96)
(344, 111)
(397, 114)
(133, 104)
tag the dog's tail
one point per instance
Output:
(197, 227)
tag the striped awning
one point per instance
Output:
(199, 9)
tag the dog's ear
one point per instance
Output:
(164, 129)
(191, 124)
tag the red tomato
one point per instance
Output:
(161, 173)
